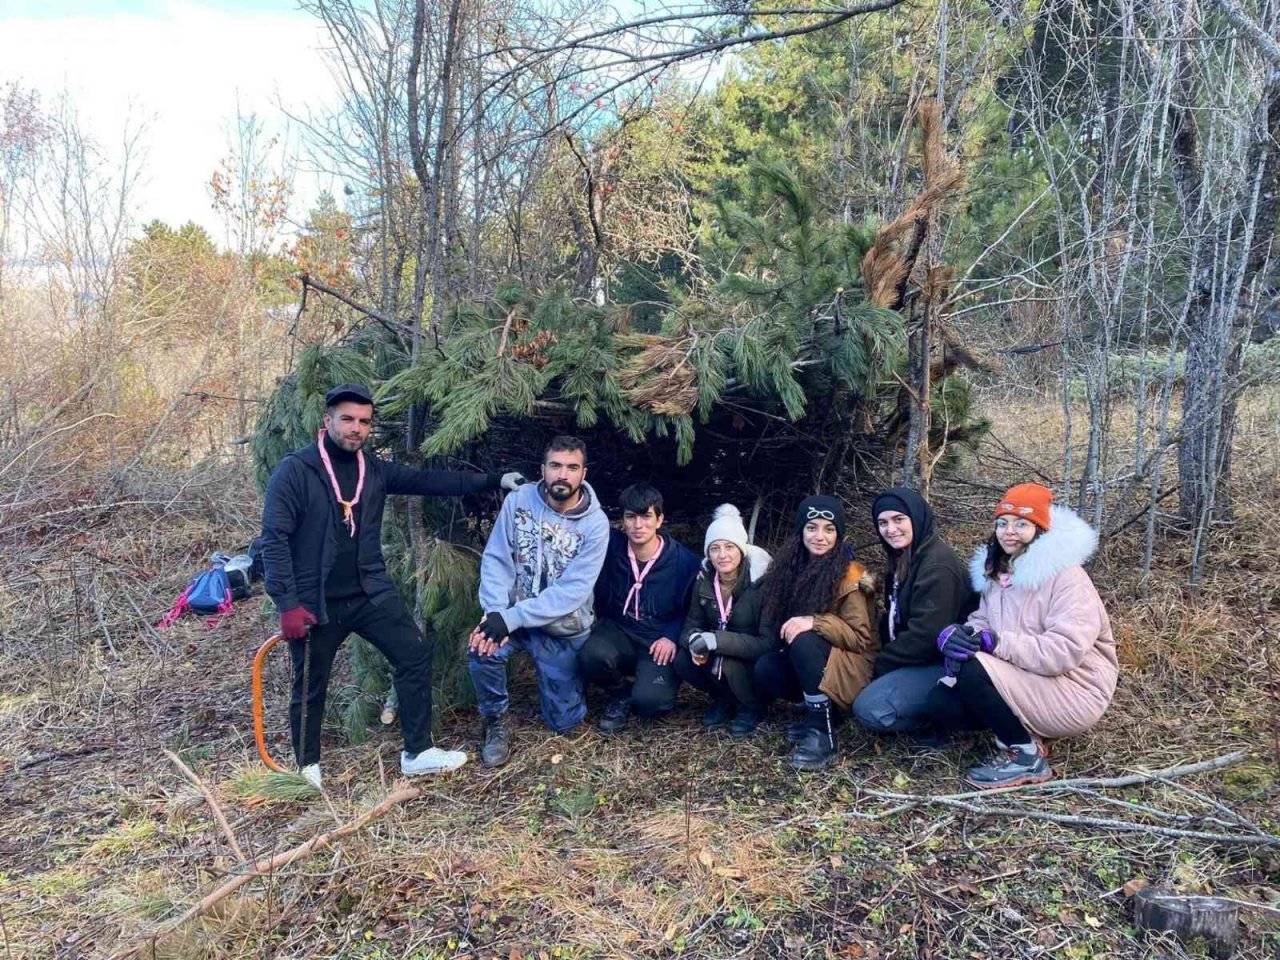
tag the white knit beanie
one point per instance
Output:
(726, 524)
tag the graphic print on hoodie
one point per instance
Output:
(539, 565)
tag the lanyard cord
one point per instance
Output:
(638, 574)
(348, 514)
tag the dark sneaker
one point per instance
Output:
(745, 723)
(616, 716)
(1010, 768)
(497, 741)
(718, 715)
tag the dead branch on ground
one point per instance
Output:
(269, 865)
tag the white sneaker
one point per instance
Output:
(311, 773)
(434, 760)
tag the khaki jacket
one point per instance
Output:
(850, 628)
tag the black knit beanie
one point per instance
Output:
(820, 507)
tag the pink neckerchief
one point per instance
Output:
(725, 608)
(348, 514)
(1005, 580)
(639, 575)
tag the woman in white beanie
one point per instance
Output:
(721, 638)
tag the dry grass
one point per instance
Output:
(662, 842)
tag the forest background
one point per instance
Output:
(748, 251)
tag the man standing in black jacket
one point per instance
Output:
(322, 553)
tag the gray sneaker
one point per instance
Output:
(497, 741)
(1010, 767)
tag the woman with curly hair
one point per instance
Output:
(817, 604)
(1037, 659)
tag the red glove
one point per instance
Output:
(294, 623)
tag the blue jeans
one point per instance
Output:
(559, 682)
(895, 702)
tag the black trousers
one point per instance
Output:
(794, 670)
(611, 657)
(388, 627)
(974, 703)
(735, 678)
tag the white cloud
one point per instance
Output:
(181, 67)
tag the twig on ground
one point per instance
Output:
(269, 866)
(211, 800)
(1071, 820)
(156, 636)
(1128, 780)
(1088, 786)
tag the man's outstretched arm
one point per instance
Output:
(445, 483)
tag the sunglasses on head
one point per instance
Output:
(816, 514)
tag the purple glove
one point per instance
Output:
(988, 639)
(957, 642)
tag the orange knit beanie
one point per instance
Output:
(1029, 500)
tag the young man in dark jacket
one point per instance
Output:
(642, 596)
(926, 588)
(322, 554)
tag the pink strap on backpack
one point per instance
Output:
(177, 610)
(223, 609)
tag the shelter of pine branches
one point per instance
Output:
(774, 384)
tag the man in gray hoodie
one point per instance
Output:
(536, 581)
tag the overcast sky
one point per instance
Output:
(179, 66)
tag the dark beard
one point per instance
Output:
(560, 497)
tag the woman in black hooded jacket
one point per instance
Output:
(926, 588)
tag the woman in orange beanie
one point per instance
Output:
(1037, 659)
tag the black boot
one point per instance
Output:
(719, 713)
(818, 748)
(745, 723)
(796, 732)
(497, 741)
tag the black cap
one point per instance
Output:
(348, 391)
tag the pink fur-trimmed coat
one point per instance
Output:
(1055, 662)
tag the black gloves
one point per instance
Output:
(494, 627)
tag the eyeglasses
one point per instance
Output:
(816, 514)
(1017, 524)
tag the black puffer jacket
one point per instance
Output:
(300, 514)
(934, 592)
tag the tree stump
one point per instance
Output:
(1212, 919)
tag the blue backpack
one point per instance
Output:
(208, 592)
